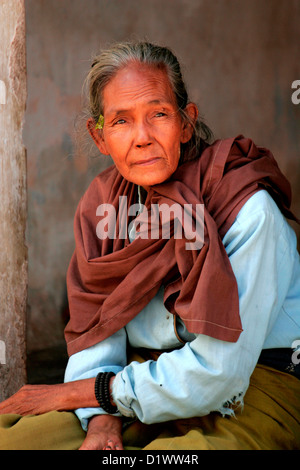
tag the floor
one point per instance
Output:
(47, 366)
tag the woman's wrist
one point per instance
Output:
(80, 394)
(110, 389)
(103, 392)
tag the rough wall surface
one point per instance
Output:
(13, 208)
(240, 60)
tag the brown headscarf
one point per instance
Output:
(110, 281)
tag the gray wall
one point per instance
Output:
(240, 58)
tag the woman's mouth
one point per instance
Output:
(147, 161)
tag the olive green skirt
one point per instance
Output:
(268, 420)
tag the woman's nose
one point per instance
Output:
(143, 136)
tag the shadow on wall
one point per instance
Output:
(47, 366)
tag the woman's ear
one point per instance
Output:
(97, 136)
(188, 126)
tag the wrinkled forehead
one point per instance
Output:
(138, 82)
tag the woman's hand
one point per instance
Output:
(39, 399)
(104, 433)
(35, 400)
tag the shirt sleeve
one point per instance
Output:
(207, 374)
(107, 356)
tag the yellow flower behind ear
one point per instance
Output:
(100, 122)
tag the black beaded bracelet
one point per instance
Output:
(102, 392)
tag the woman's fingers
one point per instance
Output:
(34, 399)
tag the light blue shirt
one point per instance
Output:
(202, 374)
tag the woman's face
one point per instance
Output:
(143, 128)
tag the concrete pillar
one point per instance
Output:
(13, 203)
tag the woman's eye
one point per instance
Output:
(160, 114)
(120, 121)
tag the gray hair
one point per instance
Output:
(106, 65)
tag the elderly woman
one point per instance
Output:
(173, 343)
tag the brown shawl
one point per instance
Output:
(110, 281)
